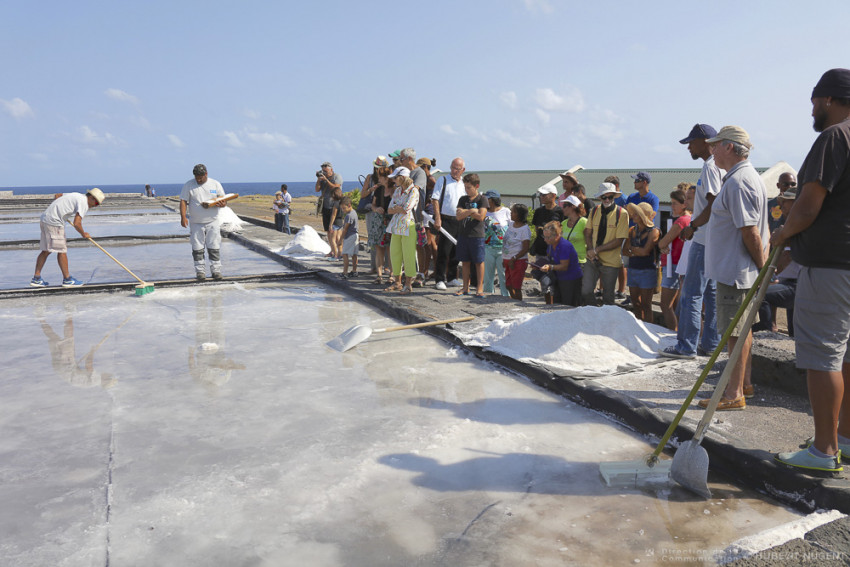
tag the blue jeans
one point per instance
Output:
(697, 291)
(493, 265)
(284, 224)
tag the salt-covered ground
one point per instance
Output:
(150, 261)
(211, 425)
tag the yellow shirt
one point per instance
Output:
(616, 229)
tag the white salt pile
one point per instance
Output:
(307, 241)
(582, 342)
(230, 222)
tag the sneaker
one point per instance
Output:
(749, 391)
(626, 302)
(598, 293)
(457, 282)
(702, 352)
(353, 274)
(216, 276)
(71, 281)
(726, 404)
(671, 352)
(843, 448)
(342, 276)
(804, 459)
(440, 286)
(619, 295)
(200, 276)
(38, 282)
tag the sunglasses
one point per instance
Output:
(606, 198)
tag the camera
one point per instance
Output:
(319, 174)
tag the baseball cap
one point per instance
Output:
(327, 164)
(703, 131)
(548, 189)
(572, 200)
(394, 154)
(642, 176)
(492, 194)
(400, 172)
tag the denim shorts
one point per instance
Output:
(642, 279)
(470, 249)
(670, 282)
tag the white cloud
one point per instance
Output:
(570, 101)
(89, 136)
(17, 108)
(141, 121)
(511, 140)
(118, 94)
(232, 139)
(509, 99)
(543, 116)
(448, 130)
(476, 134)
(269, 139)
(175, 141)
(534, 6)
(252, 114)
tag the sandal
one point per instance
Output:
(479, 296)
(379, 280)
(406, 290)
(395, 286)
(460, 292)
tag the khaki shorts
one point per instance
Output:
(53, 239)
(729, 300)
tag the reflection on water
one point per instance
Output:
(77, 372)
(208, 363)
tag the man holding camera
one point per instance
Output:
(326, 182)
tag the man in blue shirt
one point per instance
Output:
(643, 194)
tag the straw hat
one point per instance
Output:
(644, 211)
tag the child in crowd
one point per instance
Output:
(471, 210)
(671, 249)
(495, 226)
(350, 238)
(642, 251)
(334, 233)
(515, 250)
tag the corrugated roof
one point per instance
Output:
(526, 183)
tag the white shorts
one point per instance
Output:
(53, 238)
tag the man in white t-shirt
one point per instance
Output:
(204, 222)
(69, 208)
(447, 192)
(698, 291)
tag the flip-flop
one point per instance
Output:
(460, 293)
(479, 296)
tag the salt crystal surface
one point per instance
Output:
(307, 241)
(586, 341)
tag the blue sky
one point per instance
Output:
(116, 92)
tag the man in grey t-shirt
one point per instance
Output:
(326, 182)
(736, 248)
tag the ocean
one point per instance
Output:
(296, 188)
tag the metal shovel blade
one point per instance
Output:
(648, 470)
(690, 468)
(350, 338)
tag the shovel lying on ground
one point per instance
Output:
(359, 333)
(650, 468)
(690, 463)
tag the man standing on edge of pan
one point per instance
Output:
(819, 228)
(204, 222)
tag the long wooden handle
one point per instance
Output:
(116, 260)
(426, 324)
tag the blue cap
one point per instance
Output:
(642, 176)
(492, 194)
(703, 131)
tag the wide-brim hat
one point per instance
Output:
(97, 194)
(732, 134)
(641, 211)
(605, 188)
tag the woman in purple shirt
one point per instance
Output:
(563, 264)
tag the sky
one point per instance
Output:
(105, 92)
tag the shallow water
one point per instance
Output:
(212, 426)
(149, 261)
